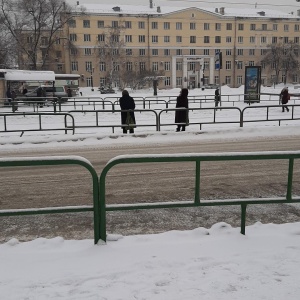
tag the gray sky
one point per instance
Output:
(287, 5)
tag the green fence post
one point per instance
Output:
(243, 218)
(197, 183)
(290, 179)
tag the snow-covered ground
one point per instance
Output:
(214, 263)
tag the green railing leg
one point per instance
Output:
(197, 183)
(243, 218)
(290, 179)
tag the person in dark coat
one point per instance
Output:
(217, 97)
(285, 97)
(14, 102)
(127, 117)
(69, 92)
(8, 96)
(40, 92)
(181, 116)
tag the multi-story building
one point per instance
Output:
(180, 43)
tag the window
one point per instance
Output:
(239, 65)
(239, 79)
(206, 65)
(228, 65)
(128, 51)
(251, 51)
(296, 39)
(29, 39)
(102, 66)
(275, 27)
(286, 27)
(154, 25)
(296, 27)
(142, 66)
(102, 81)
(192, 39)
(217, 39)
(178, 81)
(240, 51)
(228, 80)
(218, 26)
(72, 23)
(206, 39)
(167, 39)
(155, 66)
(206, 26)
(263, 39)
(240, 39)
(252, 26)
(86, 37)
(228, 26)
(142, 39)
(178, 51)
(114, 38)
(252, 39)
(115, 52)
(193, 26)
(228, 39)
(73, 51)
(73, 37)
(167, 81)
(191, 66)
(86, 24)
(74, 66)
(240, 26)
(178, 65)
(167, 52)
(141, 25)
(114, 24)
(88, 66)
(127, 24)
(228, 52)
(264, 26)
(101, 38)
(206, 51)
(44, 40)
(87, 51)
(116, 66)
(128, 66)
(88, 81)
(178, 26)
(142, 52)
(263, 52)
(192, 51)
(155, 52)
(217, 81)
(167, 66)
(154, 38)
(286, 39)
(178, 39)
(100, 24)
(128, 38)
(166, 25)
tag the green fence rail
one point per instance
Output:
(197, 158)
(53, 161)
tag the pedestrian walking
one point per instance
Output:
(8, 97)
(284, 97)
(40, 93)
(69, 92)
(181, 116)
(217, 97)
(127, 116)
(14, 103)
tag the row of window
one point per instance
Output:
(193, 39)
(192, 25)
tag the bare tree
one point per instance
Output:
(282, 58)
(35, 26)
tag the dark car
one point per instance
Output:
(49, 91)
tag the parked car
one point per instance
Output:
(49, 91)
(106, 90)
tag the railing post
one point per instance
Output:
(197, 183)
(243, 218)
(290, 179)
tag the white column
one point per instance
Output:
(185, 73)
(173, 72)
(212, 70)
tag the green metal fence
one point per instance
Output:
(197, 158)
(53, 161)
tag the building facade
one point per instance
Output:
(179, 43)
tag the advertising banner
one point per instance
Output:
(252, 83)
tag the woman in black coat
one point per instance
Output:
(127, 117)
(181, 116)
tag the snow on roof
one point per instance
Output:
(26, 75)
(140, 9)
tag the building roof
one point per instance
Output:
(27, 75)
(111, 9)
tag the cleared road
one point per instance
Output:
(70, 185)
